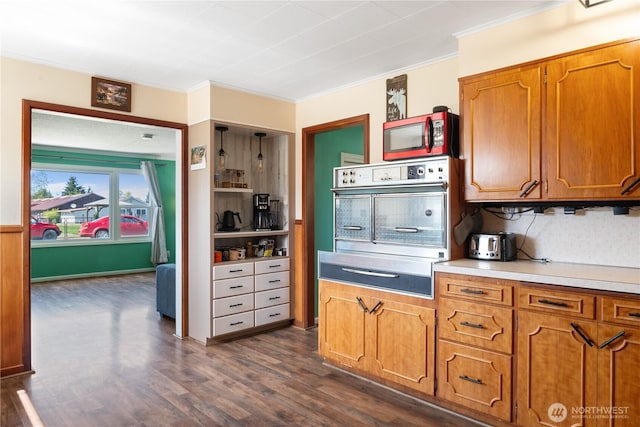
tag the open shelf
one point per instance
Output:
(234, 234)
(232, 190)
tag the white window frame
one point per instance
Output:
(114, 205)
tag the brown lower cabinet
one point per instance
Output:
(389, 337)
(518, 353)
(576, 366)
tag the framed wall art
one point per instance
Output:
(397, 98)
(110, 94)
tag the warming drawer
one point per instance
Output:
(388, 273)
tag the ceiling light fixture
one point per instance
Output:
(221, 153)
(260, 158)
(588, 3)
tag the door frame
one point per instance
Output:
(27, 107)
(308, 204)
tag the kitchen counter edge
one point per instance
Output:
(585, 276)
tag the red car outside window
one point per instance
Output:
(43, 230)
(129, 226)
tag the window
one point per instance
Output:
(83, 203)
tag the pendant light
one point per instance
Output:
(221, 153)
(260, 161)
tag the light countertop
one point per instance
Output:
(587, 276)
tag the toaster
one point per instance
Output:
(499, 246)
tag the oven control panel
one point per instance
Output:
(429, 170)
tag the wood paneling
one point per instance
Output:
(298, 287)
(14, 305)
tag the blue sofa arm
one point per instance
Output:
(166, 290)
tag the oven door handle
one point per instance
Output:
(370, 273)
(406, 230)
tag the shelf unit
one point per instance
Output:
(245, 296)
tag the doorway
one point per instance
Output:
(181, 256)
(309, 204)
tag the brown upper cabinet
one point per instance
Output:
(565, 128)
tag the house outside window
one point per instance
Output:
(89, 204)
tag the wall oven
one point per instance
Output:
(391, 223)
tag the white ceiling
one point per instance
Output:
(287, 49)
(97, 135)
(290, 50)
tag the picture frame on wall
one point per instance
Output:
(110, 94)
(397, 98)
(198, 157)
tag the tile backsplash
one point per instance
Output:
(590, 236)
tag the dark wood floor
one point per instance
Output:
(104, 357)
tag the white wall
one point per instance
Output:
(23, 80)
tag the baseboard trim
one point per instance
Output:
(96, 274)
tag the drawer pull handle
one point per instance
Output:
(273, 298)
(634, 314)
(236, 305)
(370, 273)
(236, 271)
(472, 325)
(275, 266)
(472, 291)
(612, 339)
(274, 281)
(362, 305)
(555, 303)
(582, 335)
(236, 286)
(274, 315)
(352, 227)
(471, 380)
(375, 307)
(236, 323)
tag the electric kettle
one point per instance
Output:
(228, 221)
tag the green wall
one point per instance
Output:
(53, 261)
(328, 146)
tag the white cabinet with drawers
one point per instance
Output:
(248, 294)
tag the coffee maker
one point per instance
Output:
(261, 212)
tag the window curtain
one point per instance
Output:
(159, 253)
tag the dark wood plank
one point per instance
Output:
(103, 356)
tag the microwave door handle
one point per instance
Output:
(429, 134)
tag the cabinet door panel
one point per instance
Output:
(593, 121)
(341, 333)
(555, 366)
(403, 339)
(501, 135)
(618, 367)
(474, 378)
